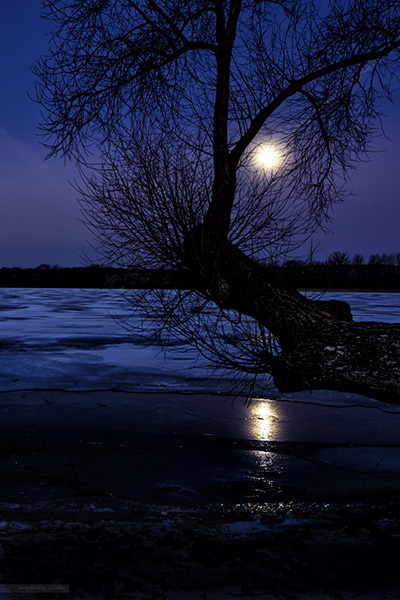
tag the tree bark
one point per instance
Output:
(321, 346)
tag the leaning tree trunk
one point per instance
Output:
(321, 346)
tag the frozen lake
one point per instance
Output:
(306, 445)
(72, 339)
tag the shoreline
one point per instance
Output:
(328, 552)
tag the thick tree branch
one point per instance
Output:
(295, 86)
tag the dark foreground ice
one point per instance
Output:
(195, 449)
(117, 496)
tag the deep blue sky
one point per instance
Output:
(39, 214)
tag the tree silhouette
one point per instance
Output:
(166, 105)
(338, 258)
(357, 259)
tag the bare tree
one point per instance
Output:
(357, 260)
(167, 105)
(388, 259)
(338, 258)
(375, 259)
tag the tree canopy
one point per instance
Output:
(166, 104)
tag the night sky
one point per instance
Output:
(39, 213)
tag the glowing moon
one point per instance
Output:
(268, 157)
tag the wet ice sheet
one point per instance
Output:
(73, 338)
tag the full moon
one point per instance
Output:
(268, 157)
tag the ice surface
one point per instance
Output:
(368, 306)
(73, 338)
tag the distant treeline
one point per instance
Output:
(45, 276)
(340, 271)
(343, 258)
(345, 277)
(328, 275)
